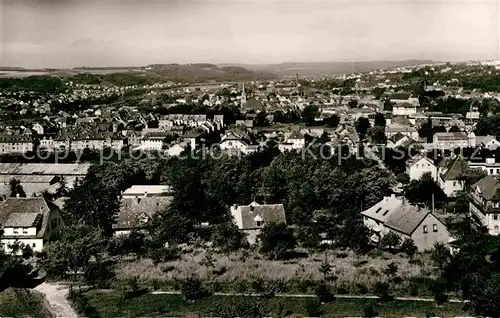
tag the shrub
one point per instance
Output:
(324, 293)
(276, 240)
(390, 241)
(314, 308)
(192, 289)
(382, 290)
(409, 248)
(369, 311)
(81, 304)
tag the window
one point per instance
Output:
(491, 171)
(25, 231)
(495, 216)
(385, 212)
(378, 210)
(260, 223)
(454, 183)
(34, 244)
(424, 229)
(434, 228)
(15, 231)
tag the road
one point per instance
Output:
(56, 296)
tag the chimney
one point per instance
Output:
(145, 193)
(17, 195)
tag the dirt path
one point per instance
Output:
(56, 296)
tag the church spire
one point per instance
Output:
(243, 96)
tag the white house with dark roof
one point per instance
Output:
(490, 166)
(29, 222)
(418, 166)
(453, 140)
(251, 218)
(294, 141)
(450, 173)
(394, 215)
(484, 203)
(404, 109)
(136, 212)
(487, 142)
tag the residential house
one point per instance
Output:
(401, 98)
(490, 165)
(487, 142)
(419, 165)
(404, 109)
(450, 173)
(394, 215)
(28, 222)
(147, 190)
(232, 141)
(15, 143)
(38, 129)
(294, 141)
(251, 218)
(153, 139)
(484, 203)
(136, 212)
(453, 140)
(395, 128)
(399, 140)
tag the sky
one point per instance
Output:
(71, 33)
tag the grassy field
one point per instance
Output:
(21, 303)
(236, 272)
(111, 304)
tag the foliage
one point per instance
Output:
(369, 311)
(79, 248)
(408, 246)
(309, 113)
(171, 227)
(362, 127)
(424, 191)
(38, 84)
(13, 270)
(276, 239)
(228, 237)
(390, 241)
(324, 293)
(16, 189)
(192, 289)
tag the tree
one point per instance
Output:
(332, 121)
(380, 120)
(326, 269)
(425, 190)
(324, 293)
(408, 246)
(377, 134)
(261, 119)
(228, 237)
(79, 248)
(309, 114)
(353, 103)
(192, 289)
(276, 240)
(171, 227)
(390, 241)
(16, 189)
(426, 130)
(362, 126)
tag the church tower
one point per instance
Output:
(243, 96)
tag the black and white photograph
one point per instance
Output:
(238, 158)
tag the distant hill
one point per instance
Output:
(327, 68)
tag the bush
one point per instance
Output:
(228, 237)
(369, 311)
(192, 289)
(81, 304)
(382, 290)
(314, 308)
(324, 293)
(163, 254)
(409, 248)
(390, 241)
(276, 240)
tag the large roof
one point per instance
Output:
(383, 209)
(137, 212)
(139, 190)
(451, 135)
(77, 169)
(26, 212)
(455, 169)
(265, 212)
(406, 218)
(489, 187)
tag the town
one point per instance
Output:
(367, 189)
